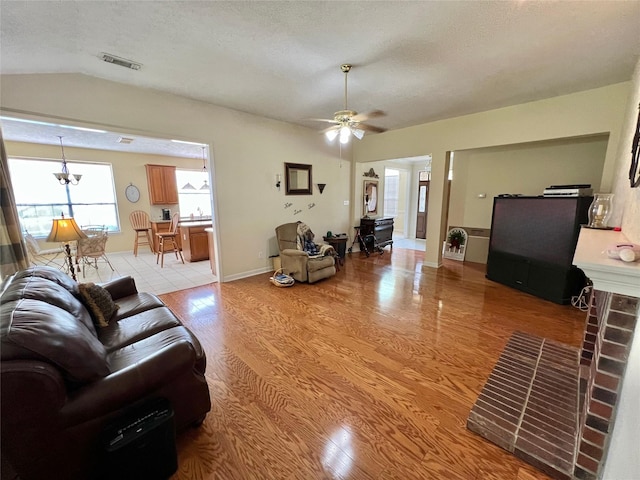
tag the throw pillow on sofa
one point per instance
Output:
(99, 303)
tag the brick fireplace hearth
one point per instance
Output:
(555, 406)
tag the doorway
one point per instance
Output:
(423, 204)
(126, 154)
(396, 198)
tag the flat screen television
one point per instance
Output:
(538, 228)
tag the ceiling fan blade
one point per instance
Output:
(361, 117)
(335, 127)
(322, 120)
(370, 128)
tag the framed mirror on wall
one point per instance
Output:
(370, 198)
(297, 179)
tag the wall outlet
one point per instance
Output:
(260, 255)
(346, 203)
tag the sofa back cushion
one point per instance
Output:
(51, 274)
(31, 329)
(51, 292)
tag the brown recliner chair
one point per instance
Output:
(298, 263)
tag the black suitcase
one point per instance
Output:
(141, 445)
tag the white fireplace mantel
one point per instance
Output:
(607, 274)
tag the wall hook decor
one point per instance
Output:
(321, 187)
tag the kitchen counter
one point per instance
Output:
(195, 246)
(212, 251)
(195, 223)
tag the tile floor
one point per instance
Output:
(148, 275)
(410, 244)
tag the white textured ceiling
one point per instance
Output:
(418, 61)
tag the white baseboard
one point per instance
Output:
(250, 273)
(432, 264)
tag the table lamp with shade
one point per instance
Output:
(65, 230)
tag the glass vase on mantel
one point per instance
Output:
(600, 210)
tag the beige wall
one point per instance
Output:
(626, 200)
(592, 112)
(127, 168)
(520, 169)
(247, 152)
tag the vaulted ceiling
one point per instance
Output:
(417, 61)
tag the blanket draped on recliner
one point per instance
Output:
(305, 242)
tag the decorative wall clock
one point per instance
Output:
(132, 193)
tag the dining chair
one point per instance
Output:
(89, 250)
(38, 256)
(168, 239)
(142, 226)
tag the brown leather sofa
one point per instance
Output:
(64, 380)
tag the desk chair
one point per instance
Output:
(168, 239)
(142, 226)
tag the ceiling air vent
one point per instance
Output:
(123, 62)
(125, 140)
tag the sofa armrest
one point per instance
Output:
(124, 387)
(32, 396)
(121, 287)
(33, 393)
(294, 253)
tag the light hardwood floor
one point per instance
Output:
(367, 375)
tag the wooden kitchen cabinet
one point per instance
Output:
(163, 188)
(195, 245)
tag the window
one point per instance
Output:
(391, 192)
(40, 198)
(194, 195)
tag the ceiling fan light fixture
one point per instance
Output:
(349, 122)
(345, 133)
(331, 134)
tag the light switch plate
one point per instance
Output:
(346, 202)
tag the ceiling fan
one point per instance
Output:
(349, 122)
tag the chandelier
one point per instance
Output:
(64, 177)
(204, 170)
(205, 186)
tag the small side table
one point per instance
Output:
(339, 242)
